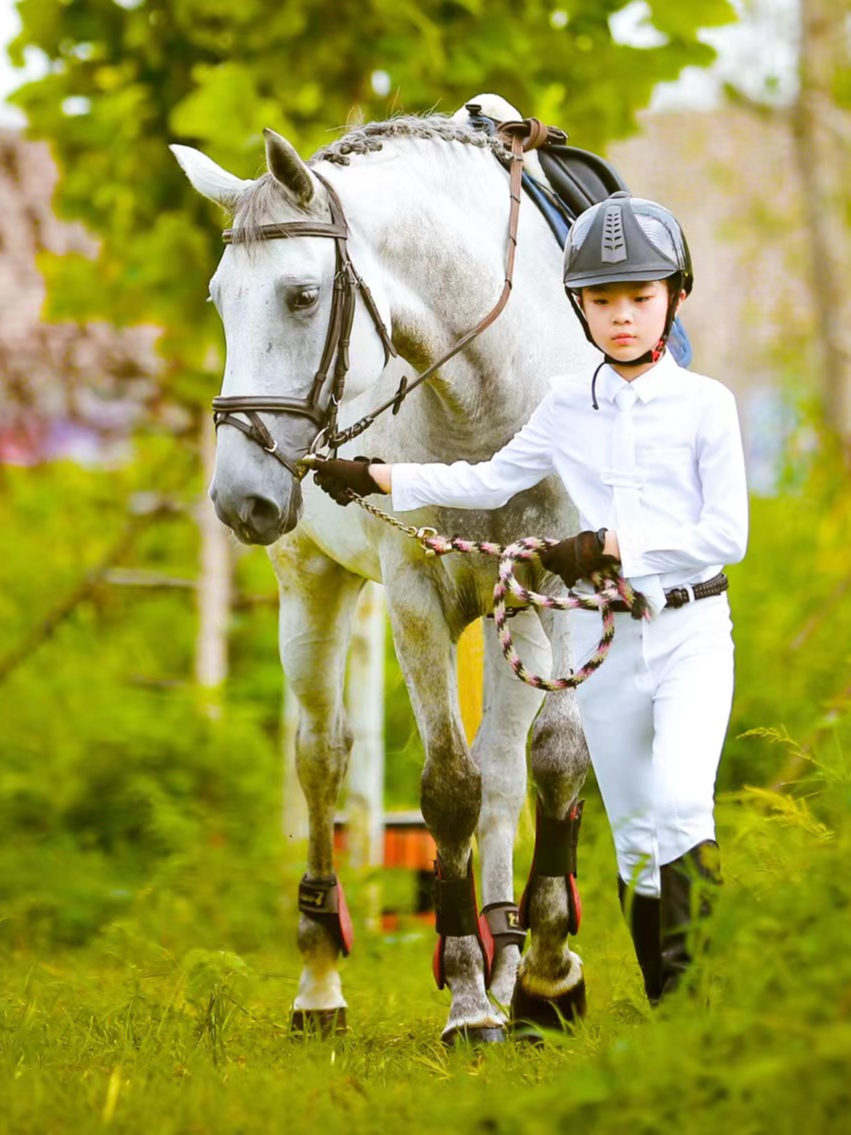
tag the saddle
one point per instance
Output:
(577, 179)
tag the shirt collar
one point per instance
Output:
(646, 386)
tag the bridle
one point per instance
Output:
(347, 283)
(526, 134)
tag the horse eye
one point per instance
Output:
(304, 299)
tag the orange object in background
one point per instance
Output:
(407, 842)
(408, 846)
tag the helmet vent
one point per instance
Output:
(613, 249)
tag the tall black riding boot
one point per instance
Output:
(643, 916)
(688, 888)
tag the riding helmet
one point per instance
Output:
(623, 239)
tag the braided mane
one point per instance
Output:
(260, 198)
(369, 138)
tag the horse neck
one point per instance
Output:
(435, 216)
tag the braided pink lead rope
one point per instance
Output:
(608, 590)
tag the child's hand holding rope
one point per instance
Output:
(579, 557)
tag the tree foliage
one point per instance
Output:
(129, 76)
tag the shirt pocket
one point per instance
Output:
(663, 463)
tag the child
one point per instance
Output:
(651, 455)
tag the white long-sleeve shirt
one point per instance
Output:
(689, 466)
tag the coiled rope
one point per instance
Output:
(609, 588)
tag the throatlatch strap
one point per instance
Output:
(457, 917)
(556, 843)
(323, 900)
(503, 919)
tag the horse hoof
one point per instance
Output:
(473, 1037)
(321, 1023)
(529, 1013)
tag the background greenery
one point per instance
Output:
(147, 919)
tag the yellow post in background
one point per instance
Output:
(471, 653)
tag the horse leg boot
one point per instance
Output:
(688, 888)
(451, 794)
(643, 917)
(316, 611)
(499, 750)
(550, 990)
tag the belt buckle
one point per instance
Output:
(677, 597)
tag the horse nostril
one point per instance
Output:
(260, 514)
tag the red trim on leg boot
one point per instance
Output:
(344, 922)
(574, 902)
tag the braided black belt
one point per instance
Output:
(679, 596)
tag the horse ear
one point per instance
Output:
(210, 179)
(287, 168)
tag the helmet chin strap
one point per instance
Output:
(651, 356)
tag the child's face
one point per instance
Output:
(626, 319)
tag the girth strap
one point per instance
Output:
(323, 900)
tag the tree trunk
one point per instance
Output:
(215, 585)
(365, 709)
(823, 138)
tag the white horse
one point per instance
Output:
(426, 204)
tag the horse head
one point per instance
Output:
(275, 300)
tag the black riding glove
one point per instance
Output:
(336, 476)
(578, 557)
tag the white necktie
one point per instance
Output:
(627, 482)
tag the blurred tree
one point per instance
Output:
(806, 84)
(128, 76)
(822, 126)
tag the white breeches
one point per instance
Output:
(655, 715)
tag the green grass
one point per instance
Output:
(163, 1034)
(147, 916)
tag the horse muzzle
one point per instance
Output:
(255, 518)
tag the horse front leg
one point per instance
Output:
(451, 796)
(550, 989)
(317, 604)
(499, 750)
